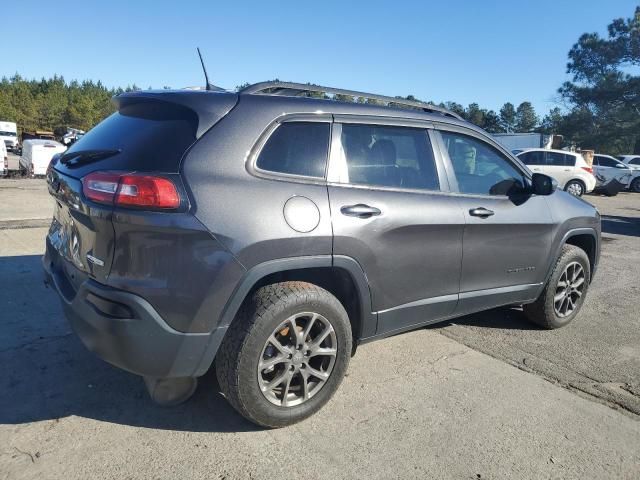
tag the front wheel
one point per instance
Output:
(635, 185)
(574, 187)
(286, 354)
(564, 293)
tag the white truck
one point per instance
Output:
(36, 155)
(9, 135)
(517, 142)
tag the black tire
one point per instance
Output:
(543, 311)
(241, 350)
(635, 185)
(575, 186)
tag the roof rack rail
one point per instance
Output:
(295, 89)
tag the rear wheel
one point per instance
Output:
(285, 355)
(565, 291)
(575, 187)
(635, 185)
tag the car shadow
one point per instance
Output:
(47, 374)
(503, 318)
(618, 225)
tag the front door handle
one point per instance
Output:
(360, 210)
(480, 212)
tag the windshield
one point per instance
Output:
(7, 134)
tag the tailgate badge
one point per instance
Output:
(95, 260)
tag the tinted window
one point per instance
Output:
(606, 161)
(555, 159)
(297, 148)
(385, 156)
(635, 161)
(479, 167)
(532, 158)
(150, 136)
(569, 160)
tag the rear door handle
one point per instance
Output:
(480, 212)
(360, 210)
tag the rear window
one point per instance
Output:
(151, 136)
(297, 148)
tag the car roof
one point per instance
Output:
(539, 149)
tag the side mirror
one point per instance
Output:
(619, 165)
(542, 184)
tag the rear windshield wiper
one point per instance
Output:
(73, 159)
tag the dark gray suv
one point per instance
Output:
(272, 230)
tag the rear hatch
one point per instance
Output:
(149, 133)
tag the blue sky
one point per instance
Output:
(464, 51)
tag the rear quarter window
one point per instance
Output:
(296, 148)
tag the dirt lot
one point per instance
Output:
(487, 397)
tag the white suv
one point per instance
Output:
(632, 160)
(569, 169)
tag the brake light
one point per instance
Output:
(131, 190)
(588, 169)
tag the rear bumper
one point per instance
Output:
(126, 331)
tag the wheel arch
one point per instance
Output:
(583, 238)
(341, 275)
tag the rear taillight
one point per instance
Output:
(131, 190)
(587, 169)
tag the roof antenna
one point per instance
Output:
(208, 86)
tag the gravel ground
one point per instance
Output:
(442, 402)
(599, 353)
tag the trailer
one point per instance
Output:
(516, 142)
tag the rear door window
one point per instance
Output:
(297, 148)
(569, 160)
(555, 159)
(389, 156)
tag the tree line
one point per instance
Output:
(600, 104)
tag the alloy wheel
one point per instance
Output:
(297, 359)
(569, 290)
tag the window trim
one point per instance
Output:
(337, 171)
(453, 181)
(253, 154)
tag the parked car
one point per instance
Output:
(36, 155)
(609, 168)
(569, 169)
(269, 233)
(632, 160)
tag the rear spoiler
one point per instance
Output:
(207, 105)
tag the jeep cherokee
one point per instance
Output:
(267, 232)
